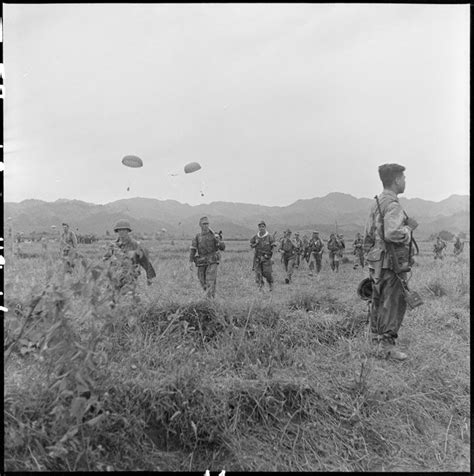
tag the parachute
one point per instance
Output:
(132, 161)
(191, 167)
(163, 230)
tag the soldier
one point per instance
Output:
(129, 255)
(389, 230)
(335, 248)
(288, 248)
(68, 247)
(205, 254)
(263, 243)
(358, 246)
(315, 253)
(438, 248)
(299, 249)
(458, 246)
(304, 248)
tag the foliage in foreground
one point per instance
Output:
(100, 381)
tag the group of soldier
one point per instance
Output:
(440, 246)
(388, 249)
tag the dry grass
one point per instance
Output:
(250, 381)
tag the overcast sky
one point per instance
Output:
(277, 102)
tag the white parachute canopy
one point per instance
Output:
(134, 162)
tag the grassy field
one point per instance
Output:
(250, 381)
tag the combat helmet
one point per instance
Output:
(364, 289)
(122, 225)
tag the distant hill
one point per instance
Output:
(237, 220)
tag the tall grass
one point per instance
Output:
(250, 381)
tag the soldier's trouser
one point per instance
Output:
(297, 261)
(388, 306)
(315, 259)
(289, 265)
(208, 278)
(334, 261)
(263, 269)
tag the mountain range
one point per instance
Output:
(236, 220)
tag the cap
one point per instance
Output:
(297, 233)
(204, 221)
(287, 230)
(262, 223)
(64, 223)
(317, 232)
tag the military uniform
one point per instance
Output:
(205, 254)
(315, 253)
(262, 260)
(458, 246)
(335, 247)
(67, 247)
(359, 250)
(289, 249)
(388, 305)
(128, 256)
(299, 250)
(438, 248)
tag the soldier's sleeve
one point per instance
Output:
(395, 229)
(74, 239)
(369, 231)
(253, 241)
(193, 249)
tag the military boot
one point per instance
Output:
(389, 351)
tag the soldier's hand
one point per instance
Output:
(412, 223)
(149, 282)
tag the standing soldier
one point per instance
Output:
(334, 247)
(205, 255)
(389, 230)
(315, 253)
(68, 247)
(458, 246)
(288, 248)
(438, 248)
(358, 250)
(263, 243)
(129, 255)
(299, 249)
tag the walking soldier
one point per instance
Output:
(358, 250)
(438, 248)
(126, 256)
(335, 248)
(289, 249)
(68, 247)
(315, 253)
(205, 254)
(263, 243)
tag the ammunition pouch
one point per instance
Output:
(399, 258)
(413, 299)
(374, 260)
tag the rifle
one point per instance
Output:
(412, 298)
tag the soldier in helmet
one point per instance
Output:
(315, 252)
(438, 248)
(68, 247)
(358, 246)
(458, 245)
(205, 254)
(299, 250)
(129, 256)
(335, 248)
(288, 248)
(263, 243)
